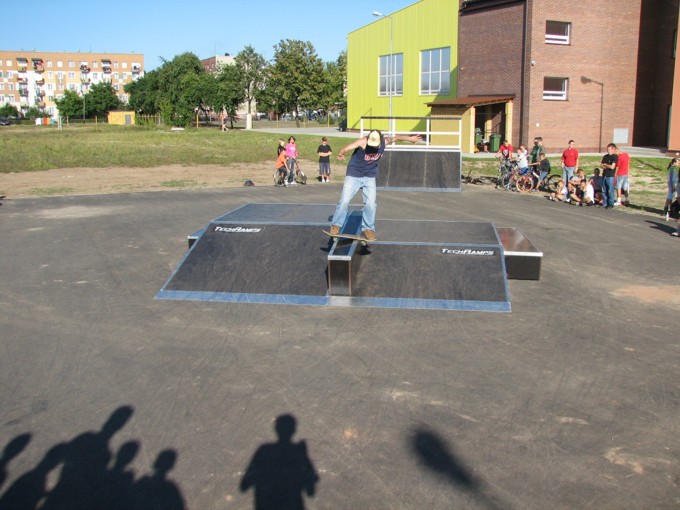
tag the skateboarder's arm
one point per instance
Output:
(361, 142)
(403, 138)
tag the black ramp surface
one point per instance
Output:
(321, 214)
(426, 276)
(253, 262)
(424, 170)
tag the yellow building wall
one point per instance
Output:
(121, 118)
(427, 24)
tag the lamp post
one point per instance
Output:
(390, 67)
(585, 79)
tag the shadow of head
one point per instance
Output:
(285, 426)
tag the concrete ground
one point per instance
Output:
(572, 400)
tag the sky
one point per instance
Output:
(163, 29)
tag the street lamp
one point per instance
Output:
(390, 70)
(585, 79)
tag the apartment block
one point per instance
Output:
(39, 78)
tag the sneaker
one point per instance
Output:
(568, 200)
(335, 230)
(369, 235)
(618, 202)
(675, 234)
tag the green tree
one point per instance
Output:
(100, 99)
(70, 105)
(143, 93)
(9, 110)
(297, 75)
(251, 65)
(230, 91)
(333, 93)
(177, 90)
(35, 113)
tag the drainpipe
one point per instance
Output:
(523, 74)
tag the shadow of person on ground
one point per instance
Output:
(157, 492)
(11, 450)
(280, 472)
(436, 456)
(83, 473)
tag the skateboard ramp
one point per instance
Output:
(420, 170)
(278, 254)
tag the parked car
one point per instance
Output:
(4, 121)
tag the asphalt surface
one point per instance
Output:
(572, 400)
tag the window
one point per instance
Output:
(557, 32)
(60, 63)
(555, 89)
(391, 79)
(435, 72)
(71, 76)
(71, 63)
(49, 63)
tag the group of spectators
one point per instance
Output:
(608, 187)
(286, 162)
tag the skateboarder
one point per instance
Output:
(362, 171)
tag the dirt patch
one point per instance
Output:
(651, 295)
(97, 181)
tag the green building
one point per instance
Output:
(422, 40)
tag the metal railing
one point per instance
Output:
(433, 137)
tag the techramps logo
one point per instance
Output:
(237, 230)
(468, 251)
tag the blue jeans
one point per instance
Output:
(608, 191)
(291, 169)
(350, 188)
(567, 174)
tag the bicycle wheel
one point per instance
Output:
(525, 183)
(551, 182)
(505, 180)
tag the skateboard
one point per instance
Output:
(352, 237)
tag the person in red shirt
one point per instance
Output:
(504, 151)
(569, 161)
(622, 182)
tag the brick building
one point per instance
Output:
(562, 70)
(38, 78)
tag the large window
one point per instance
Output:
(555, 89)
(435, 72)
(391, 77)
(557, 32)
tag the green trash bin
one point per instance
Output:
(478, 136)
(494, 142)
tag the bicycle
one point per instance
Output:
(530, 180)
(482, 179)
(508, 171)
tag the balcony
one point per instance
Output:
(84, 79)
(23, 92)
(22, 80)
(84, 68)
(106, 69)
(40, 80)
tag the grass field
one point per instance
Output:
(41, 148)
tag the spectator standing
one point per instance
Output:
(536, 151)
(569, 161)
(324, 151)
(292, 154)
(608, 165)
(672, 185)
(622, 182)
